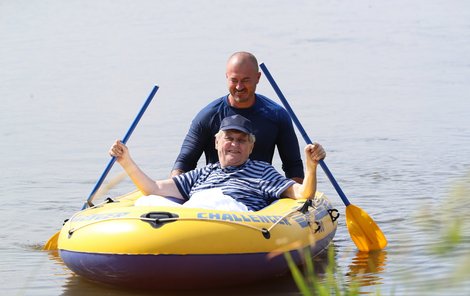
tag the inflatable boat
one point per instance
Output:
(173, 247)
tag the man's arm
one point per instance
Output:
(313, 154)
(193, 144)
(288, 149)
(176, 172)
(298, 180)
(191, 151)
(143, 182)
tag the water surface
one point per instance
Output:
(383, 85)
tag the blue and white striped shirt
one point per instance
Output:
(255, 183)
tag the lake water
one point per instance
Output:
(383, 85)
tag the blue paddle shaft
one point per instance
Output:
(302, 131)
(124, 140)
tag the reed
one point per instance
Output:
(311, 284)
(447, 225)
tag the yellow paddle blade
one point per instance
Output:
(363, 230)
(110, 185)
(52, 242)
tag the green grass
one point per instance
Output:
(447, 224)
(310, 284)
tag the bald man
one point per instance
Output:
(272, 124)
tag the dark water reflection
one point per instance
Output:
(366, 268)
(76, 286)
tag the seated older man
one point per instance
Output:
(247, 184)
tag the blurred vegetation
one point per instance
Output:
(447, 225)
(309, 283)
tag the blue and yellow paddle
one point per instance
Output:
(364, 232)
(51, 244)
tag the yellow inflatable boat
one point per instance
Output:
(176, 247)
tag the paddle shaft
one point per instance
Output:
(302, 132)
(124, 140)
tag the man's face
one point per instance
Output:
(233, 148)
(242, 79)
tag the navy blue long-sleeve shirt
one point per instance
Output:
(272, 127)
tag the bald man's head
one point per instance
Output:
(243, 58)
(242, 77)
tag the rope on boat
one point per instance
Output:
(71, 231)
(266, 232)
(160, 220)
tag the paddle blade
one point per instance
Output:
(52, 242)
(365, 233)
